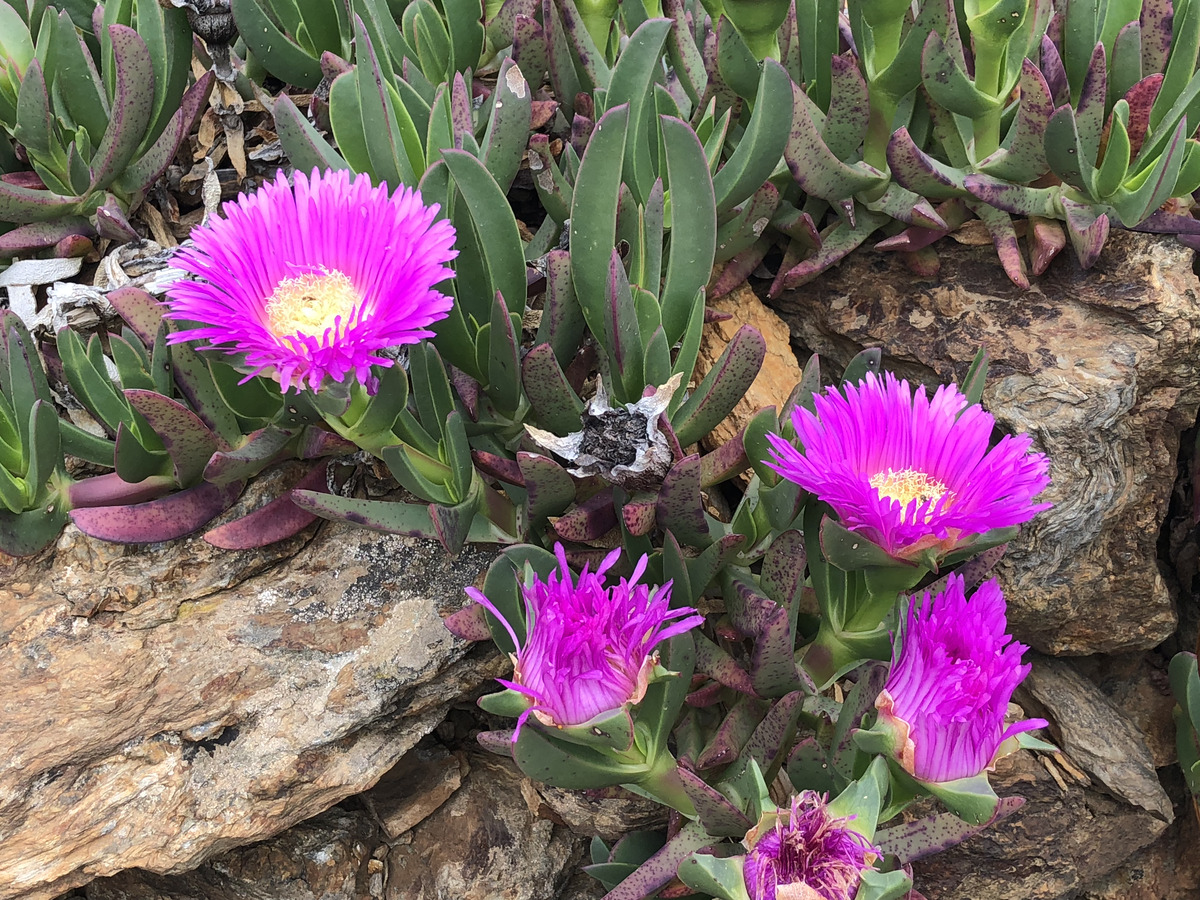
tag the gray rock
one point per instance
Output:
(1100, 366)
(165, 703)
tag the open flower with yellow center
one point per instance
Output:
(311, 282)
(911, 473)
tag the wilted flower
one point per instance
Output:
(314, 281)
(947, 694)
(909, 473)
(589, 647)
(807, 854)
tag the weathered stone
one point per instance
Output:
(608, 815)
(1168, 869)
(1138, 685)
(212, 699)
(1069, 833)
(328, 857)
(484, 843)
(779, 373)
(1100, 366)
(1095, 735)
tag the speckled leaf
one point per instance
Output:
(724, 385)
(921, 173)
(1004, 239)
(680, 508)
(716, 663)
(837, 242)
(254, 453)
(1046, 241)
(782, 575)
(860, 700)
(164, 519)
(195, 382)
(589, 520)
(306, 148)
(469, 623)
(187, 440)
(557, 408)
(719, 817)
(932, 834)
(571, 766)
(549, 488)
(663, 865)
(808, 767)
(1013, 198)
(274, 521)
(948, 83)
(774, 735)
(1086, 230)
(133, 105)
(638, 517)
(378, 515)
(724, 463)
(814, 166)
(733, 733)
(1156, 20)
(1024, 158)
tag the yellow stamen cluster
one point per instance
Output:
(907, 485)
(309, 304)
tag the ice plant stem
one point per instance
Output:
(662, 783)
(988, 59)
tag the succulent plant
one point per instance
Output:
(100, 124)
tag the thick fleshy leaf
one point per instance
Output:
(133, 105)
(663, 865)
(589, 520)
(719, 817)
(164, 519)
(187, 440)
(275, 521)
(931, 834)
(724, 385)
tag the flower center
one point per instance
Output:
(309, 304)
(907, 485)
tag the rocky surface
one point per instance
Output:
(1100, 366)
(441, 824)
(167, 702)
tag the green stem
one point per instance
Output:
(988, 59)
(879, 130)
(662, 783)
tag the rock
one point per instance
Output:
(1138, 685)
(168, 702)
(1168, 869)
(1068, 833)
(328, 857)
(607, 814)
(779, 374)
(484, 843)
(1095, 735)
(1100, 366)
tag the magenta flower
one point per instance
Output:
(589, 647)
(947, 694)
(312, 282)
(806, 855)
(909, 473)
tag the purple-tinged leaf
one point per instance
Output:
(735, 272)
(257, 450)
(1087, 230)
(846, 121)
(195, 382)
(187, 440)
(1162, 222)
(932, 834)
(724, 463)
(498, 742)
(499, 467)
(1004, 239)
(974, 570)
(709, 695)
(716, 663)
(139, 310)
(549, 488)
(1024, 158)
(73, 246)
(953, 213)
(590, 59)
(916, 170)
(797, 225)
(469, 623)
(774, 735)
(782, 575)
(112, 223)
(556, 406)
(111, 489)
(680, 508)
(719, 817)
(1055, 74)
(40, 235)
(1141, 99)
(452, 524)
(460, 111)
(1089, 114)
(837, 242)
(733, 733)
(409, 519)
(530, 49)
(591, 519)
(22, 204)
(685, 56)
(814, 166)
(144, 171)
(1157, 23)
(721, 389)
(316, 442)
(638, 517)
(1046, 241)
(133, 106)
(860, 701)
(1013, 198)
(905, 206)
(659, 869)
(164, 519)
(275, 521)
(809, 766)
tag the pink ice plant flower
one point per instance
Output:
(909, 472)
(806, 854)
(590, 646)
(312, 281)
(947, 694)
